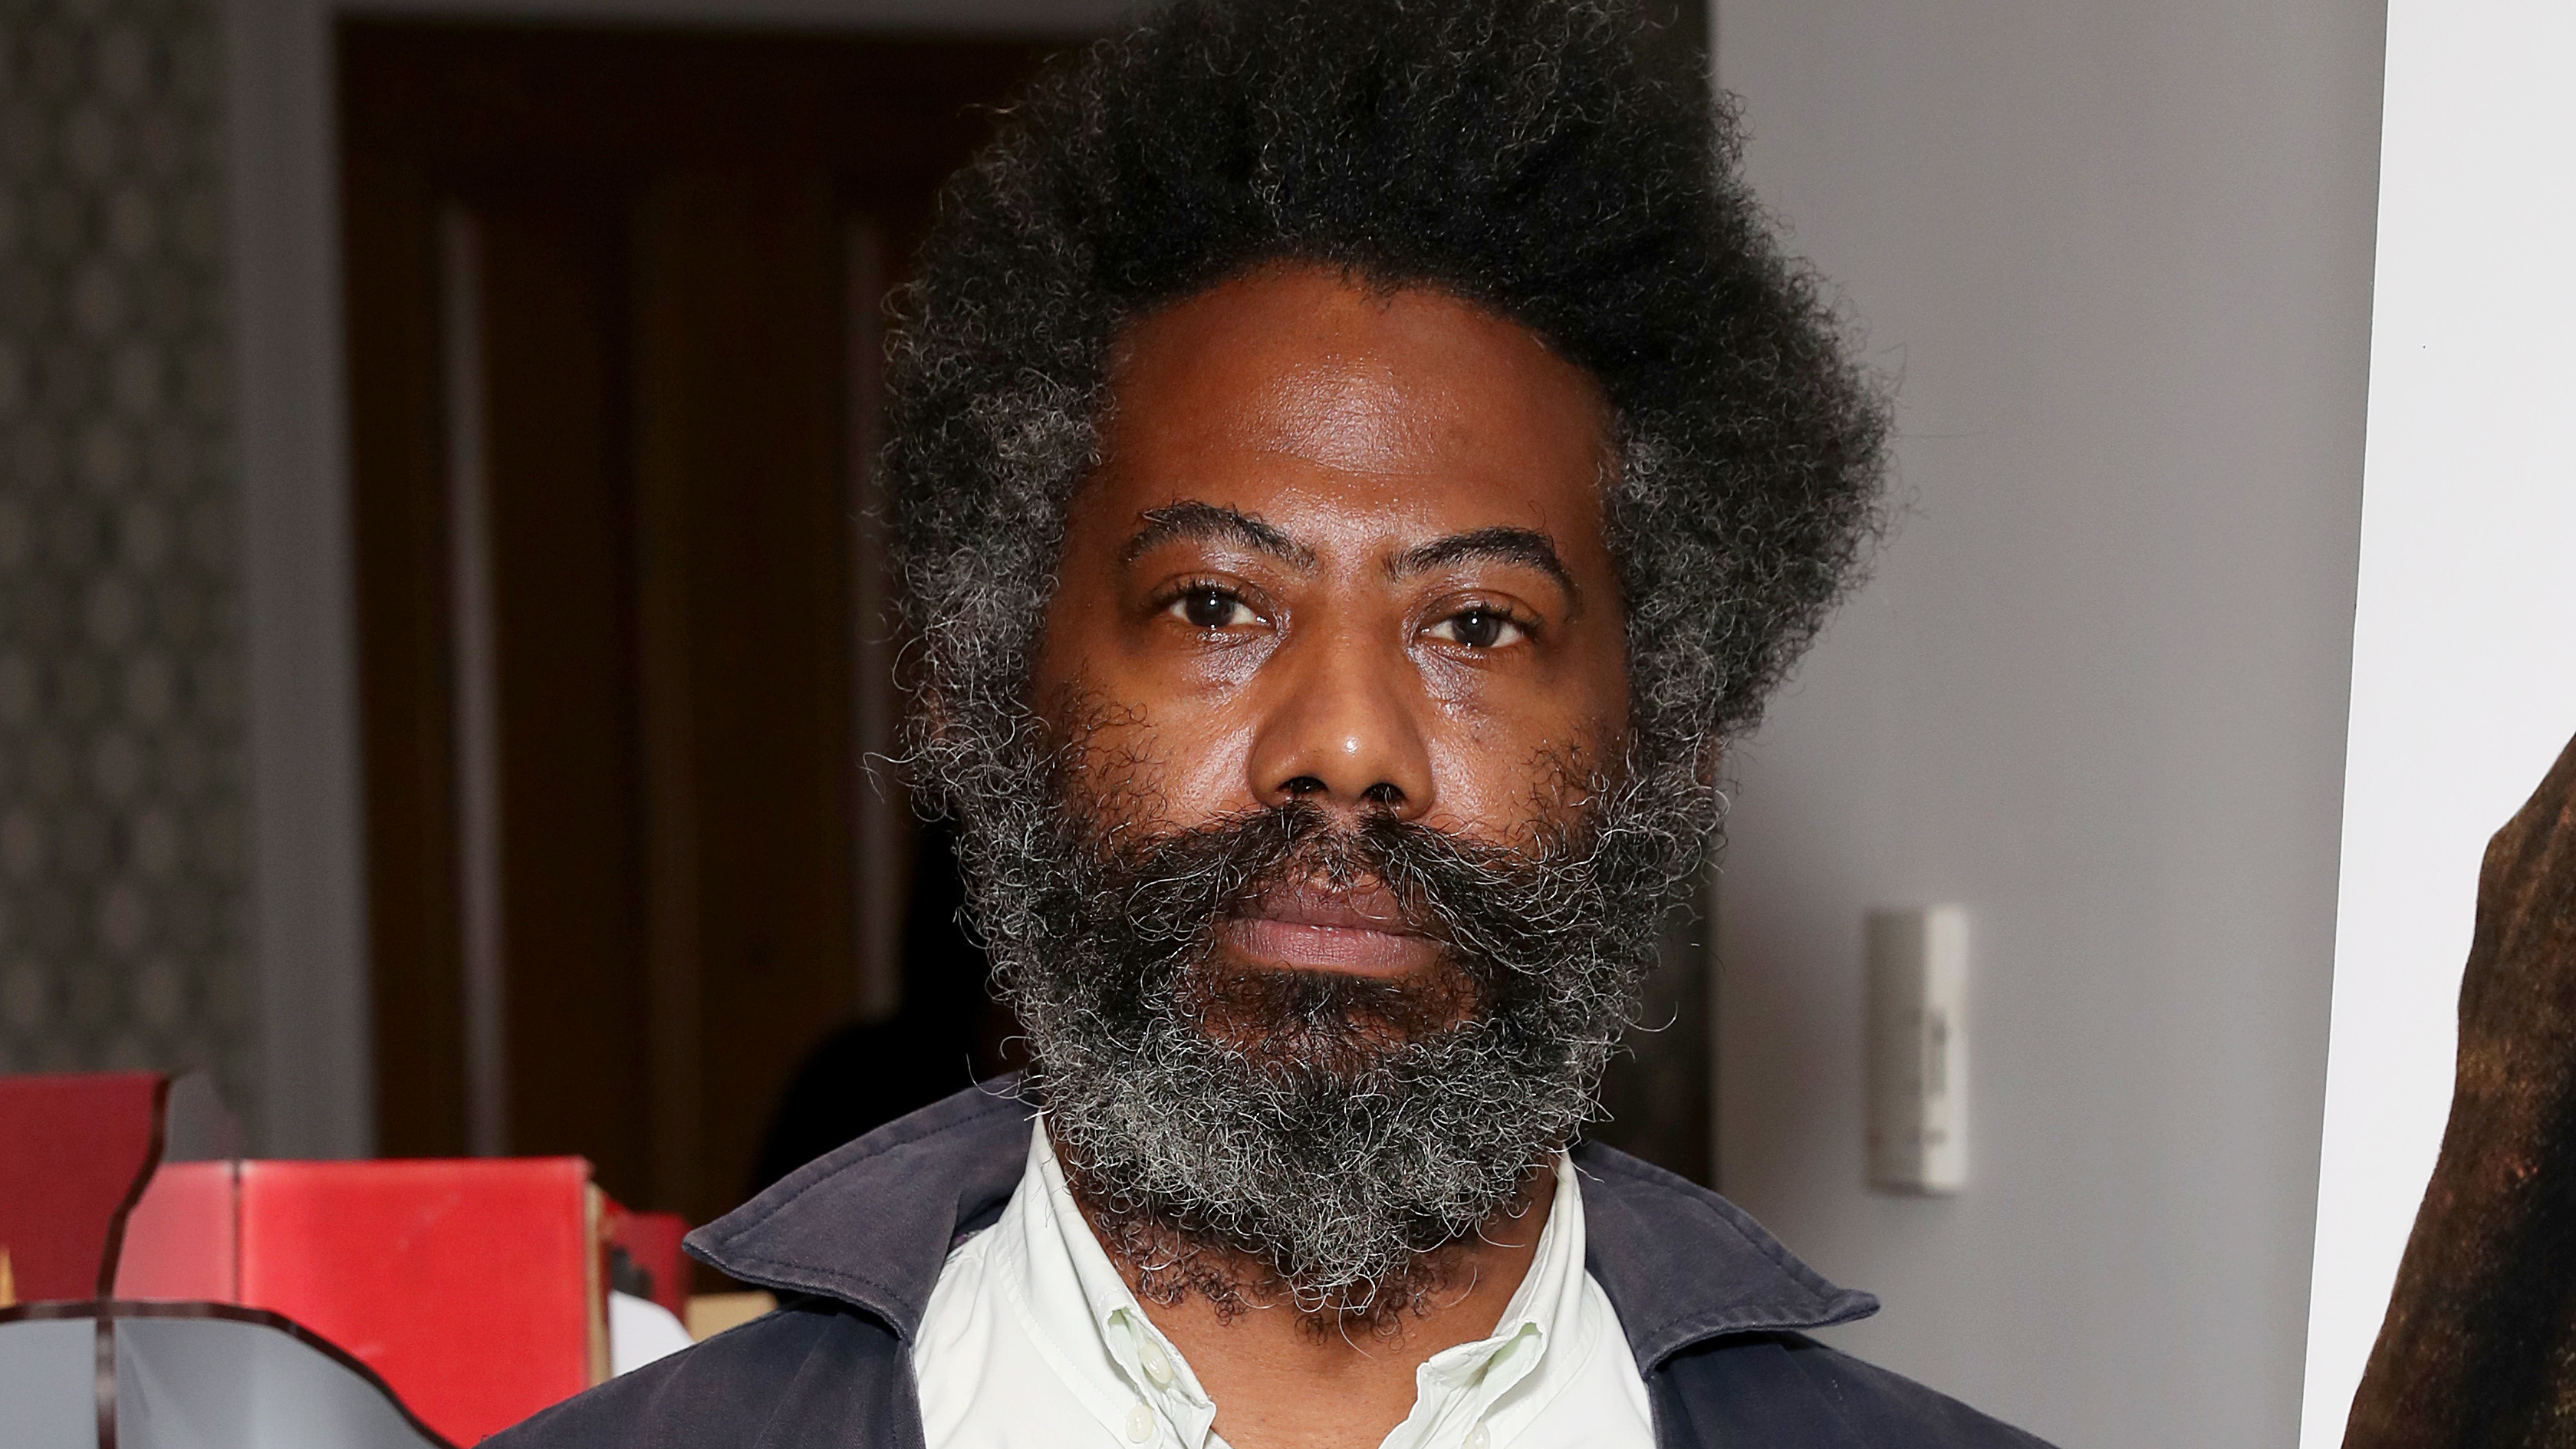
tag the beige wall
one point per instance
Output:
(2120, 255)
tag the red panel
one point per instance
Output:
(464, 1283)
(652, 1243)
(179, 1240)
(72, 1148)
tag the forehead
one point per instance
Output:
(1301, 395)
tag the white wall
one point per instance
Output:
(2121, 254)
(2464, 655)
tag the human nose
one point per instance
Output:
(1342, 730)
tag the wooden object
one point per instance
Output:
(2479, 1346)
(712, 1313)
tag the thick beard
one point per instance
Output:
(1261, 1136)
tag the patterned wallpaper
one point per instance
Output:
(123, 843)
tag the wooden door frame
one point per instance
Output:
(309, 890)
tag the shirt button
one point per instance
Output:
(1479, 1438)
(1158, 1367)
(1140, 1425)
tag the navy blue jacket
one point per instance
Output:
(853, 1242)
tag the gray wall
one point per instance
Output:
(2120, 255)
(123, 898)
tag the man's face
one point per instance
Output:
(1325, 915)
(1345, 548)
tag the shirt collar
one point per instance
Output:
(1541, 1340)
(870, 1224)
(1078, 1301)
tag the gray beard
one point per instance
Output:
(1264, 1136)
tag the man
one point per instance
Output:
(1356, 464)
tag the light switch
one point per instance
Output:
(1918, 1049)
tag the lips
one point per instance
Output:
(1307, 927)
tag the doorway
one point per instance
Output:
(614, 307)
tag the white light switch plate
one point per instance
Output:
(1918, 1049)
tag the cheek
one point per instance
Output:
(1507, 757)
(1169, 761)
(1495, 782)
(1203, 750)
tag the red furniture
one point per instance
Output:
(472, 1287)
(475, 1289)
(74, 1152)
(651, 1241)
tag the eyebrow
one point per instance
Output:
(1525, 546)
(1192, 519)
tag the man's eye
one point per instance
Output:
(1210, 608)
(1478, 629)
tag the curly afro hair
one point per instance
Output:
(1524, 155)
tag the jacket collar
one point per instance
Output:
(1683, 1265)
(870, 1224)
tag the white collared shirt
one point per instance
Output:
(1032, 1338)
